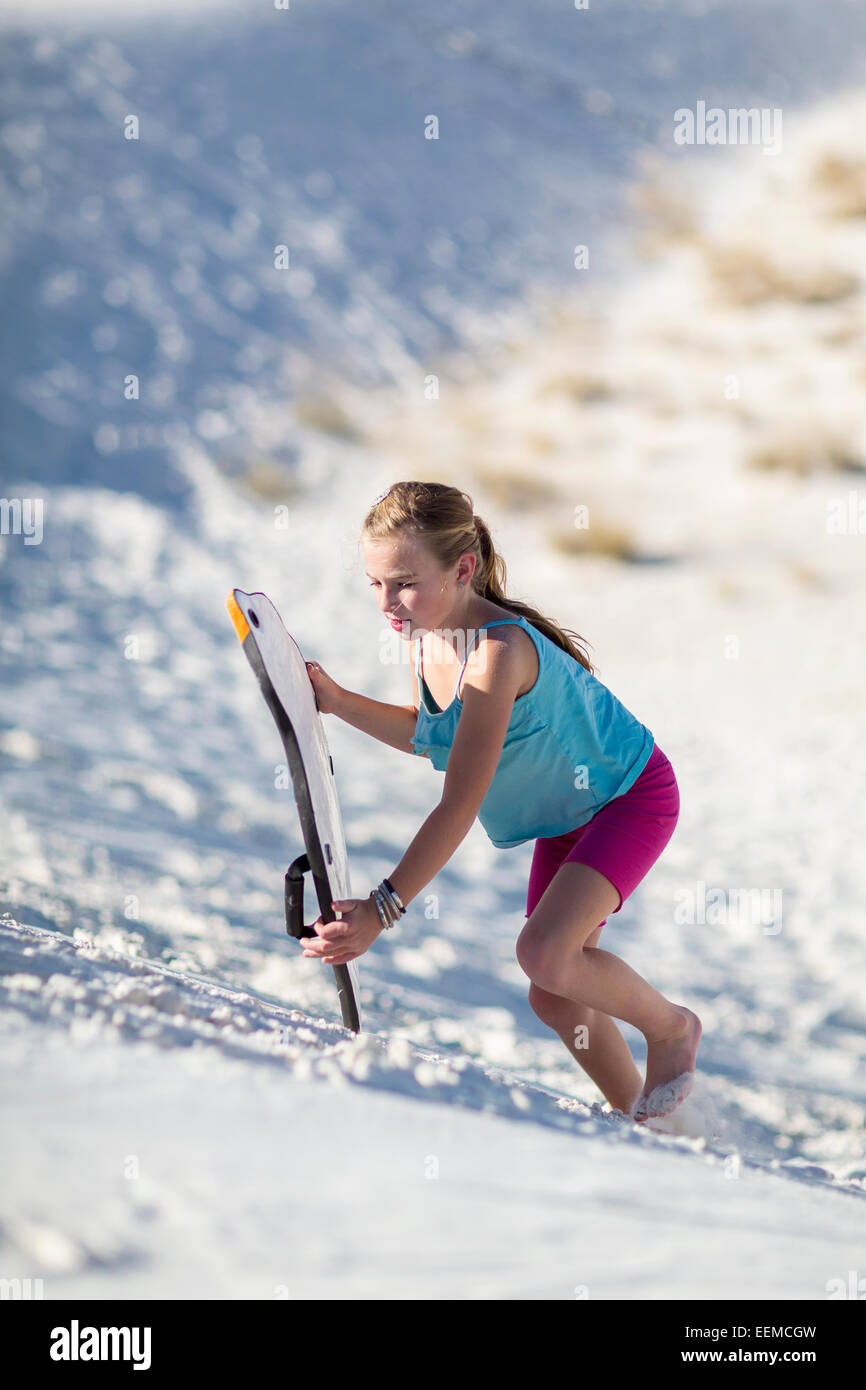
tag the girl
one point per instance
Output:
(537, 747)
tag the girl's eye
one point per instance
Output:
(374, 582)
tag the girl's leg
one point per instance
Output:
(605, 1058)
(552, 951)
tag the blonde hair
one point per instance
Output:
(444, 519)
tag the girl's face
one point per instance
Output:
(407, 584)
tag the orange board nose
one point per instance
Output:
(242, 627)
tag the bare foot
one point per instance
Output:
(670, 1068)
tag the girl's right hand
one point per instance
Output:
(328, 692)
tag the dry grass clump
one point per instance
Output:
(800, 452)
(600, 537)
(841, 181)
(576, 385)
(663, 204)
(747, 275)
(806, 576)
(267, 479)
(324, 412)
(514, 489)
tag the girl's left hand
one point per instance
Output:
(338, 942)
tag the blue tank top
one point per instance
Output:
(570, 746)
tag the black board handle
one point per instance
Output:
(295, 898)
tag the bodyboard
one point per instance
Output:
(281, 671)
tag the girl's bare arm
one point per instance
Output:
(391, 724)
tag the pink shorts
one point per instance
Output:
(622, 841)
